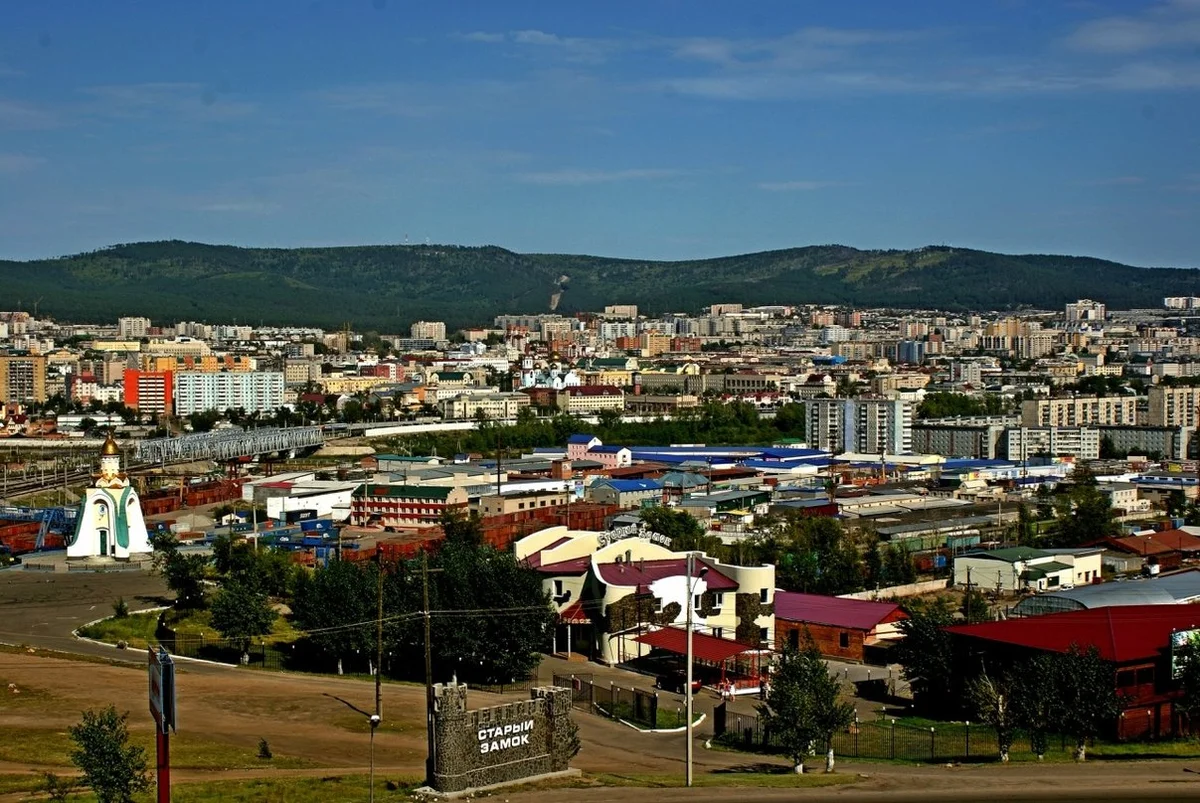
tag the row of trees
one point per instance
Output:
(713, 422)
(491, 616)
(811, 554)
(804, 706)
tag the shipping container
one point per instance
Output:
(292, 516)
(320, 525)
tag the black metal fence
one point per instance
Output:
(506, 687)
(635, 706)
(257, 656)
(886, 739)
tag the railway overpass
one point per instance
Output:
(228, 444)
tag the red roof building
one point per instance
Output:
(845, 629)
(1136, 639)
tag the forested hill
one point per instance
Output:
(386, 287)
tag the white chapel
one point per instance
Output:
(109, 523)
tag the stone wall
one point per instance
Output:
(502, 743)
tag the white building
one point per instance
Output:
(1026, 442)
(428, 330)
(133, 328)
(259, 391)
(109, 523)
(492, 405)
(867, 426)
(1026, 569)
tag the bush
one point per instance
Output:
(120, 608)
(264, 750)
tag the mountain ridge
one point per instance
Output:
(385, 287)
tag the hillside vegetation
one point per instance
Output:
(386, 287)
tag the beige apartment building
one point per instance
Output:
(1079, 411)
(22, 378)
(1174, 407)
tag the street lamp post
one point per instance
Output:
(375, 720)
(687, 692)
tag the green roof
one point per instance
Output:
(402, 491)
(404, 458)
(1010, 554)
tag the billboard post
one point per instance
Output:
(162, 708)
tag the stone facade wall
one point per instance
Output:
(502, 743)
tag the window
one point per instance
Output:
(794, 639)
(696, 601)
(844, 640)
(764, 636)
(762, 595)
(718, 632)
(558, 588)
(718, 600)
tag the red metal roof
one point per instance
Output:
(1122, 634)
(704, 646)
(1177, 540)
(642, 573)
(1138, 545)
(574, 614)
(852, 614)
(572, 566)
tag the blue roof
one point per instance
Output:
(624, 486)
(581, 438)
(793, 453)
(783, 464)
(606, 449)
(966, 463)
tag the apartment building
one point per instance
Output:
(428, 330)
(1079, 442)
(133, 328)
(492, 405)
(862, 425)
(969, 436)
(149, 391)
(22, 378)
(396, 505)
(257, 392)
(1174, 407)
(1079, 411)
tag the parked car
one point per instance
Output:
(675, 680)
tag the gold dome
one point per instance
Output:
(110, 447)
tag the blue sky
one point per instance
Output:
(660, 128)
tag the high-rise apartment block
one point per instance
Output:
(428, 330)
(1174, 407)
(22, 378)
(149, 391)
(1079, 411)
(257, 392)
(865, 426)
(133, 328)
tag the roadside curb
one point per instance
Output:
(699, 721)
(75, 634)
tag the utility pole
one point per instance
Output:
(687, 692)
(431, 747)
(967, 599)
(378, 632)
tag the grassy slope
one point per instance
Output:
(385, 287)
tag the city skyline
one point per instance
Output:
(663, 131)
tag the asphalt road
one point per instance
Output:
(40, 609)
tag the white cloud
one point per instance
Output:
(482, 36)
(1115, 181)
(19, 162)
(16, 116)
(577, 177)
(799, 186)
(240, 207)
(1165, 26)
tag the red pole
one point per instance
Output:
(163, 743)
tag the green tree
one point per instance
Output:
(791, 419)
(1026, 529)
(1088, 700)
(1082, 513)
(462, 528)
(814, 555)
(926, 655)
(114, 769)
(991, 700)
(183, 573)
(803, 706)
(1035, 700)
(975, 608)
(204, 421)
(492, 615)
(685, 532)
(1176, 504)
(1187, 658)
(241, 612)
(331, 599)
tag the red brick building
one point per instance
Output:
(1135, 639)
(845, 629)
